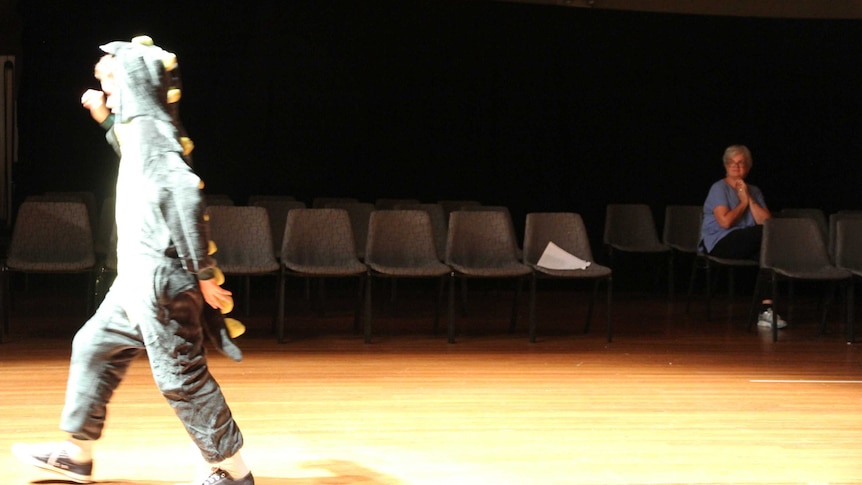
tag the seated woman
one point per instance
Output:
(733, 216)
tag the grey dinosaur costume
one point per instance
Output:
(154, 305)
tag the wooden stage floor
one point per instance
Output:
(674, 399)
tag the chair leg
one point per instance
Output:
(274, 325)
(708, 291)
(824, 305)
(671, 283)
(850, 295)
(358, 311)
(438, 303)
(752, 310)
(791, 297)
(774, 307)
(589, 320)
(5, 300)
(463, 297)
(691, 280)
(246, 294)
(513, 319)
(451, 329)
(533, 308)
(368, 310)
(610, 287)
(91, 290)
(280, 313)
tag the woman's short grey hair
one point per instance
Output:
(733, 150)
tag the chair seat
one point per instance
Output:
(592, 271)
(731, 261)
(427, 270)
(507, 271)
(313, 270)
(27, 266)
(824, 274)
(642, 248)
(249, 269)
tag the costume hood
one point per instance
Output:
(143, 80)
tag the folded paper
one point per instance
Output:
(556, 257)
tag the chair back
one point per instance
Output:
(565, 229)
(51, 237)
(497, 208)
(255, 198)
(318, 238)
(400, 238)
(834, 219)
(793, 244)
(323, 202)
(243, 239)
(217, 199)
(807, 212)
(359, 214)
(682, 227)
(106, 231)
(277, 210)
(451, 205)
(438, 223)
(481, 239)
(389, 204)
(85, 196)
(848, 244)
(631, 227)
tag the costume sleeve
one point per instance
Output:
(183, 208)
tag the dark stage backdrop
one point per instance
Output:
(539, 108)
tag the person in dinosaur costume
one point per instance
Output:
(167, 297)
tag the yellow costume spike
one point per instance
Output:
(235, 328)
(143, 40)
(174, 95)
(226, 305)
(218, 276)
(188, 146)
(201, 185)
(212, 248)
(169, 61)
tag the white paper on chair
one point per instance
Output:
(556, 257)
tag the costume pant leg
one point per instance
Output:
(102, 351)
(173, 336)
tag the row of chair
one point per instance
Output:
(798, 244)
(400, 244)
(243, 243)
(57, 237)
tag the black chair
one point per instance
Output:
(682, 234)
(243, 239)
(794, 249)
(848, 255)
(630, 228)
(566, 230)
(49, 237)
(318, 243)
(401, 245)
(481, 244)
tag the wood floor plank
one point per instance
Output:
(673, 400)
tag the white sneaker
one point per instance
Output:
(55, 457)
(765, 319)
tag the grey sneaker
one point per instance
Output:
(765, 319)
(55, 457)
(221, 477)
